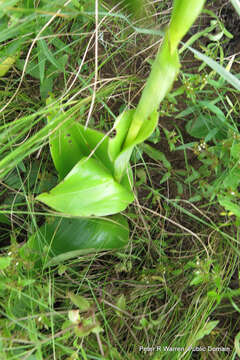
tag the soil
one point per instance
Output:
(231, 21)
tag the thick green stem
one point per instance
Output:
(164, 71)
(166, 65)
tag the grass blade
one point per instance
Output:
(236, 5)
(226, 75)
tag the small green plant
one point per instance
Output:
(94, 170)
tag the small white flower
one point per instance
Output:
(73, 316)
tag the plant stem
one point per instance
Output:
(164, 71)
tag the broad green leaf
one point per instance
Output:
(6, 64)
(88, 190)
(95, 143)
(184, 15)
(202, 125)
(66, 238)
(206, 330)
(72, 141)
(64, 144)
(229, 205)
(118, 151)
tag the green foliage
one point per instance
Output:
(4, 219)
(118, 150)
(6, 64)
(165, 67)
(179, 273)
(62, 238)
(184, 14)
(225, 74)
(207, 126)
(164, 71)
(206, 330)
(121, 304)
(81, 158)
(220, 163)
(5, 262)
(88, 190)
(93, 181)
(37, 70)
(82, 303)
(82, 326)
(135, 7)
(85, 170)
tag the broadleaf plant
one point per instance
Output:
(94, 170)
(61, 238)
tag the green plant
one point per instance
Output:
(94, 170)
(132, 291)
(212, 124)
